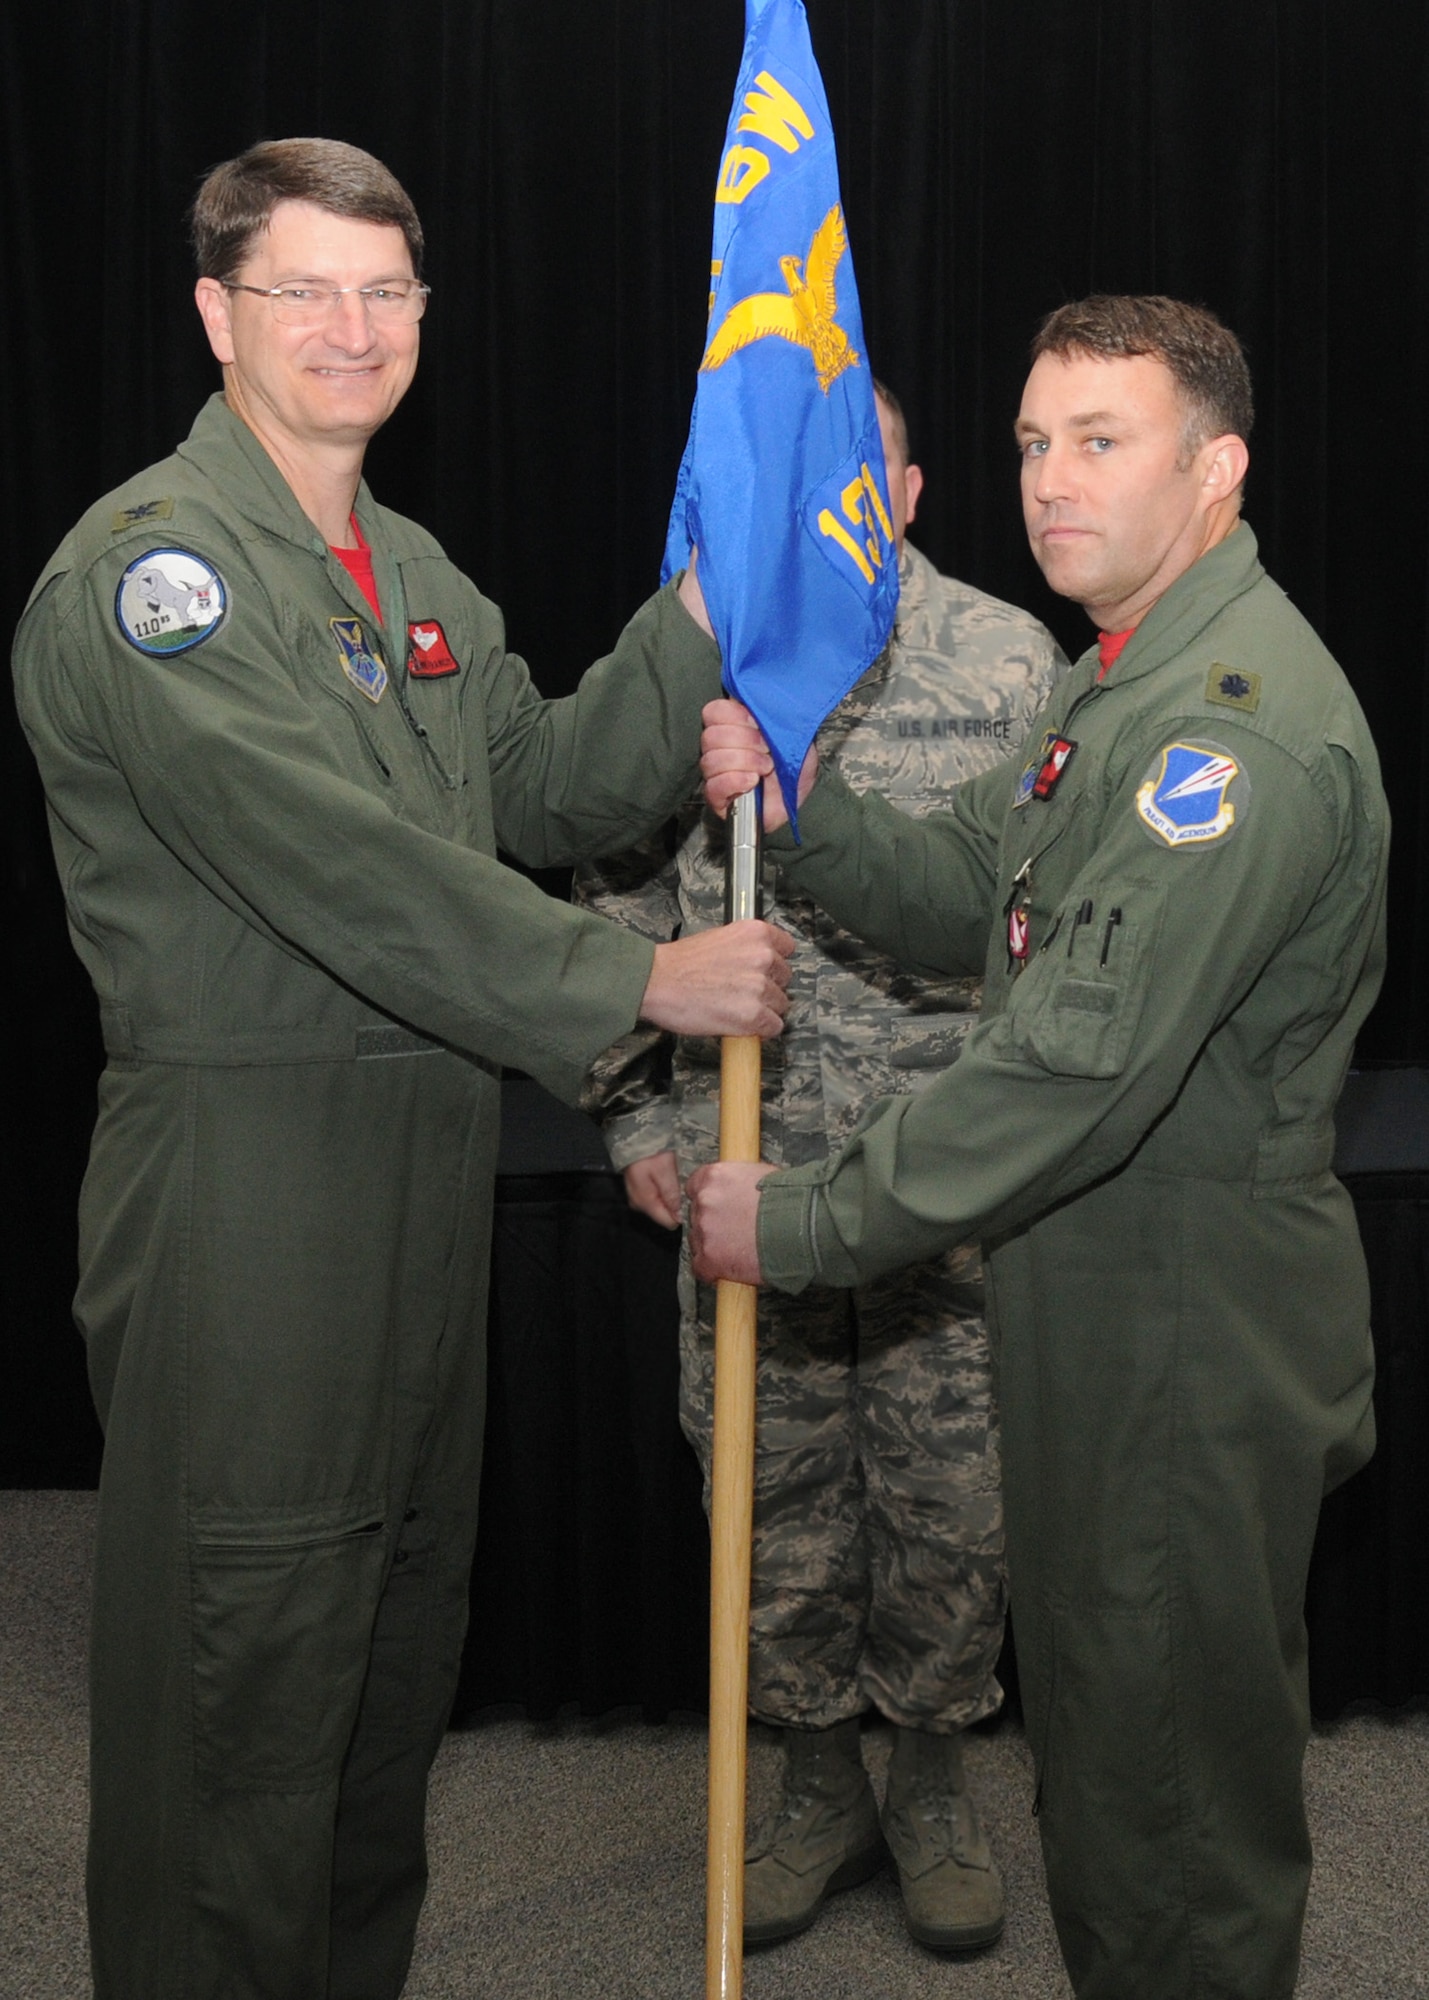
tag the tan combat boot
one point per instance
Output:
(822, 1836)
(952, 1892)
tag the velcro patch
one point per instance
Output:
(1194, 793)
(169, 600)
(1233, 687)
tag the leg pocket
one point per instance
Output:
(283, 1612)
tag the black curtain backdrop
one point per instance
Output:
(1270, 157)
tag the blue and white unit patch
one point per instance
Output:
(1194, 793)
(169, 600)
(360, 662)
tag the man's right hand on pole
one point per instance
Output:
(729, 981)
(734, 758)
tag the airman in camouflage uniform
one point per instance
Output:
(877, 1558)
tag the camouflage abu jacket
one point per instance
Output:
(952, 694)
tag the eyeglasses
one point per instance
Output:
(395, 304)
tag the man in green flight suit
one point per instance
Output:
(1185, 890)
(281, 740)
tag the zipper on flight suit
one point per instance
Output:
(398, 677)
(1019, 902)
(420, 731)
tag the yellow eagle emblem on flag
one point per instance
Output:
(805, 316)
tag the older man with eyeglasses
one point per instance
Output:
(281, 740)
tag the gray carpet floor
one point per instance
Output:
(567, 1862)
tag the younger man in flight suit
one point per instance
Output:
(1184, 887)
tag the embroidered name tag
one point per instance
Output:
(429, 657)
(1059, 755)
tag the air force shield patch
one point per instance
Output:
(1193, 794)
(360, 662)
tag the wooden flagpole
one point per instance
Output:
(732, 1480)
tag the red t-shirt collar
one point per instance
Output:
(358, 564)
(1109, 649)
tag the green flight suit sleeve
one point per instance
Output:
(629, 1085)
(1098, 1034)
(223, 753)
(919, 889)
(578, 776)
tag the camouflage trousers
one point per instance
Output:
(877, 1558)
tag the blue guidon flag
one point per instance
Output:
(783, 488)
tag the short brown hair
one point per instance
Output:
(1203, 356)
(895, 410)
(238, 197)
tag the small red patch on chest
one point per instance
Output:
(429, 656)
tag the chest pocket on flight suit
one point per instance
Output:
(1077, 1008)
